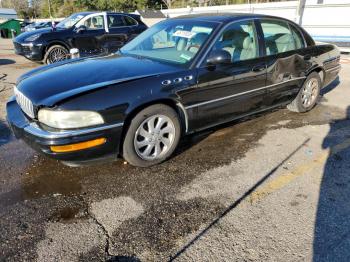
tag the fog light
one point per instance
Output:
(78, 146)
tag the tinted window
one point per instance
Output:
(115, 21)
(298, 38)
(95, 22)
(129, 20)
(240, 40)
(278, 37)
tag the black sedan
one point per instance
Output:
(92, 33)
(180, 76)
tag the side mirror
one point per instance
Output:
(219, 57)
(81, 29)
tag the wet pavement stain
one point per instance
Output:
(70, 213)
(23, 225)
(166, 221)
(161, 227)
(196, 153)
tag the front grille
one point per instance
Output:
(25, 104)
(25, 49)
(18, 47)
(21, 48)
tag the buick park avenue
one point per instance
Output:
(180, 76)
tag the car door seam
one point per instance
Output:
(242, 93)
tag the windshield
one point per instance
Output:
(176, 41)
(70, 21)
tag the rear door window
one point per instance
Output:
(298, 38)
(129, 21)
(115, 21)
(278, 37)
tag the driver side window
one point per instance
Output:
(95, 22)
(239, 40)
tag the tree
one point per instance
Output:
(35, 6)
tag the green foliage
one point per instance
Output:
(64, 8)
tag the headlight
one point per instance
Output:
(69, 119)
(32, 37)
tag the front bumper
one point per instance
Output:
(31, 51)
(41, 139)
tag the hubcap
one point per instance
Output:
(309, 93)
(57, 54)
(154, 137)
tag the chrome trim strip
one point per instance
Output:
(242, 93)
(26, 44)
(35, 130)
(333, 68)
(185, 114)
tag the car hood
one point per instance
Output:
(21, 38)
(50, 84)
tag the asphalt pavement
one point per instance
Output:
(274, 187)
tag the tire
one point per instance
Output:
(308, 95)
(145, 146)
(61, 54)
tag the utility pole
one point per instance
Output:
(300, 12)
(49, 2)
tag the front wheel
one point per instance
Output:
(152, 136)
(308, 94)
(55, 54)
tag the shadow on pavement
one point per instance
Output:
(123, 259)
(5, 133)
(330, 87)
(236, 203)
(6, 62)
(332, 226)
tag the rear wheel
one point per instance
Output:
(55, 54)
(308, 94)
(152, 136)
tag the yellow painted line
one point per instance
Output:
(285, 179)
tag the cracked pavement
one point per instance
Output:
(274, 187)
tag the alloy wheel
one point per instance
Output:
(310, 92)
(57, 54)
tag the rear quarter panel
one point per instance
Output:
(330, 59)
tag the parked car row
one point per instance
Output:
(180, 76)
(92, 33)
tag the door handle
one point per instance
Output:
(258, 68)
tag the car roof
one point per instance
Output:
(224, 17)
(94, 12)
